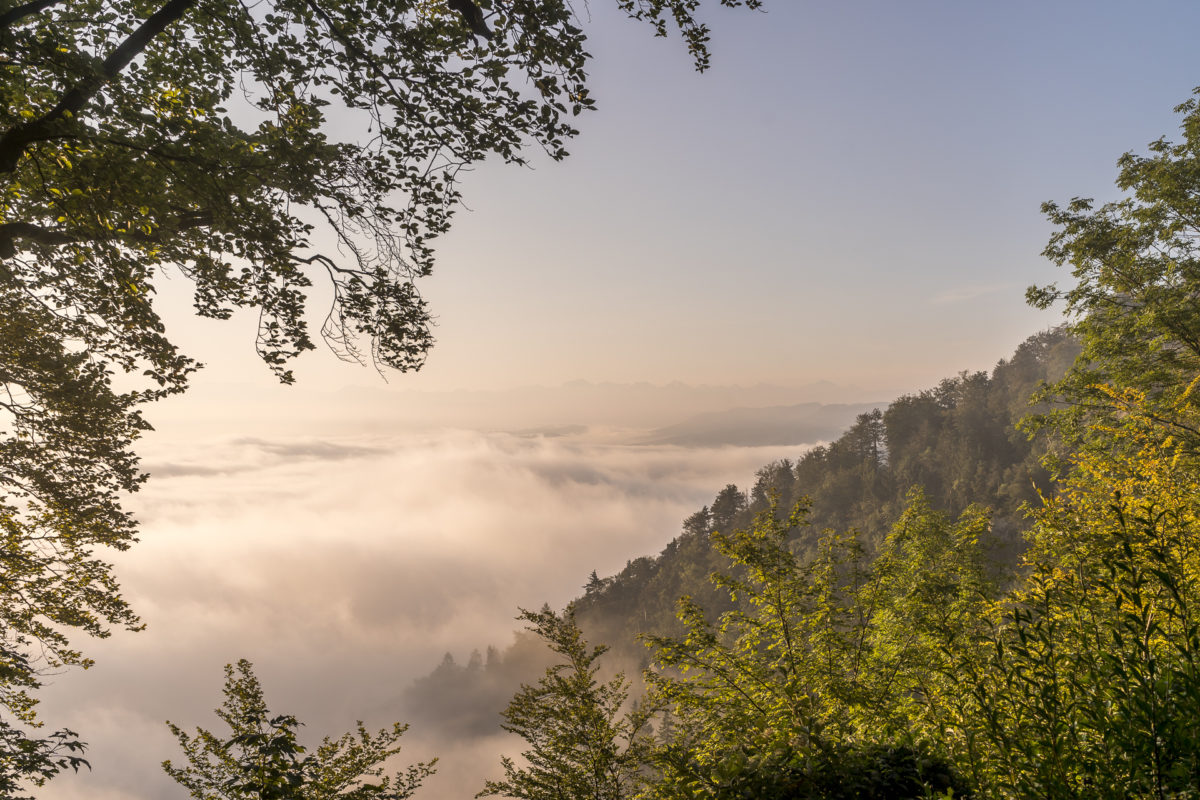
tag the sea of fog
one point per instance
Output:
(346, 567)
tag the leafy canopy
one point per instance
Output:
(1136, 264)
(64, 462)
(200, 135)
(1091, 672)
(830, 676)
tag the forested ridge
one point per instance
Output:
(959, 441)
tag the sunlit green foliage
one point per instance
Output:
(1136, 264)
(823, 666)
(1090, 680)
(582, 745)
(262, 758)
(841, 676)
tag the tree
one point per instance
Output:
(827, 680)
(698, 524)
(1136, 262)
(726, 506)
(196, 136)
(64, 459)
(581, 745)
(1093, 669)
(262, 759)
(776, 479)
(594, 584)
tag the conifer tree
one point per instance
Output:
(263, 759)
(582, 745)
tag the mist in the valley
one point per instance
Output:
(346, 568)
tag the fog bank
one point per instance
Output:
(346, 567)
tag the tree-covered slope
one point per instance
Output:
(958, 441)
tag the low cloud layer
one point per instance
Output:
(345, 568)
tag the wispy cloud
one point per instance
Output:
(248, 454)
(314, 449)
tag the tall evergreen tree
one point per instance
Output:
(581, 743)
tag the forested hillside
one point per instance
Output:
(958, 440)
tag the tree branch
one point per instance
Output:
(15, 141)
(27, 10)
(11, 232)
(358, 51)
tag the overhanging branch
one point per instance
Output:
(19, 13)
(16, 140)
(12, 232)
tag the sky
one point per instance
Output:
(850, 193)
(845, 207)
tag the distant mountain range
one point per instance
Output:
(803, 423)
(675, 412)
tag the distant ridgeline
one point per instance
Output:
(958, 441)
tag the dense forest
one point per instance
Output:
(959, 441)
